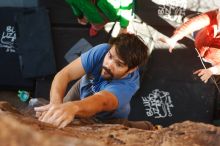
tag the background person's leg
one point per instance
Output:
(93, 31)
(88, 9)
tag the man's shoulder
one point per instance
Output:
(102, 46)
(100, 50)
(96, 51)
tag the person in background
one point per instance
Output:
(99, 12)
(207, 40)
(108, 77)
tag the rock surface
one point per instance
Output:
(18, 129)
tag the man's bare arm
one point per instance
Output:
(71, 72)
(62, 114)
(99, 102)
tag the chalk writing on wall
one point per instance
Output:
(173, 10)
(8, 38)
(158, 104)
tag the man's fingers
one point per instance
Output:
(46, 117)
(42, 108)
(58, 121)
(55, 116)
(38, 114)
(64, 123)
(41, 116)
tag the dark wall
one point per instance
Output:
(66, 32)
(169, 91)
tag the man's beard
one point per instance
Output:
(109, 72)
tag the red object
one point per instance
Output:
(207, 39)
(95, 28)
(92, 32)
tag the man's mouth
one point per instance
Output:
(108, 71)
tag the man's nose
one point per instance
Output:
(109, 64)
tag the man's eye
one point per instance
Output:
(119, 64)
(109, 55)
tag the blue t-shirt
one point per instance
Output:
(92, 82)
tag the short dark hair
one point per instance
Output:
(131, 49)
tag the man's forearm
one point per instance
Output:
(102, 101)
(72, 71)
(58, 89)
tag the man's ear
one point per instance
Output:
(132, 70)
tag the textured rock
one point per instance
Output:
(19, 129)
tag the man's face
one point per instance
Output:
(113, 67)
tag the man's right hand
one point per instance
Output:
(57, 114)
(171, 42)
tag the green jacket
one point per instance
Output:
(113, 10)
